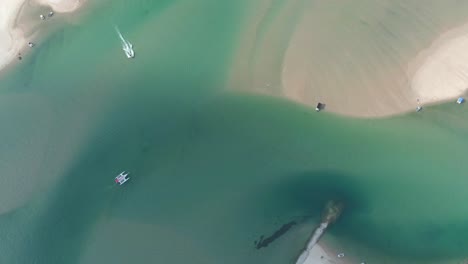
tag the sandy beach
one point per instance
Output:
(321, 255)
(440, 72)
(62, 6)
(365, 69)
(13, 39)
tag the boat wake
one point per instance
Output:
(127, 47)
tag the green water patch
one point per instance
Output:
(221, 172)
(210, 171)
(403, 177)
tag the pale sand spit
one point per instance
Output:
(12, 39)
(62, 6)
(321, 255)
(440, 73)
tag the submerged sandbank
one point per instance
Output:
(12, 39)
(356, 63)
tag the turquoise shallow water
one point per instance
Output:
(212, 171)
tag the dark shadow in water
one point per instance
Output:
(307, 192)
(264, 242)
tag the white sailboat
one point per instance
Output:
(126, 45)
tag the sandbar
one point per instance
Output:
(12, 39)
(368, 64)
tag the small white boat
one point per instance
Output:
(127, 47)
(122, 178)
